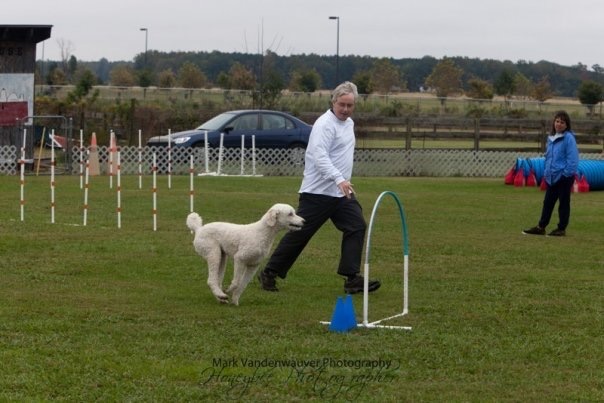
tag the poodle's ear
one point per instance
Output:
(271, 217)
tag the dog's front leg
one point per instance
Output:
(239, 281)
(244, 280)
(237, 275)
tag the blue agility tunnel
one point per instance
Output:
(592, 170)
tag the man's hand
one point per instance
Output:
(346, 188)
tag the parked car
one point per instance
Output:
(271, 129)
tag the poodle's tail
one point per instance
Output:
(194, 222)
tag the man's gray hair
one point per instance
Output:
(345, 88)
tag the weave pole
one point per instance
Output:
(140, 160)
(52, 178)
(405, 247)
(22, 176)
(81, 152)
(86, 185)
(40, 151)
(154, 190)
(111, 157)
(191, 188)
(119, 189)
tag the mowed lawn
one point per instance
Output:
(97, 313)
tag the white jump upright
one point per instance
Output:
(405, 240)
(206, 157)
(221, 156)
(405, 310)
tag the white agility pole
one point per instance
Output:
(220, 150)
(111, 157)
(52, 178)
(140, 160)
(86, 184)
(154, 192)
(40, 151)
(205, 150)
(405, 310)
(206, 158)
(169, 158)
(191, 188)
(81, 153)
(22, 178)
(119, 189)
(253, 155)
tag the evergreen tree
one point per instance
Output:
(590, 94)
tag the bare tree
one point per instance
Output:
(66, 47)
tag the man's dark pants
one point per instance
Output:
(347, 216)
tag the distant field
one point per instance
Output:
(404, 120)
(319, 101)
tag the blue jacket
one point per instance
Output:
(561, 157)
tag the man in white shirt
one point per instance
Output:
(326, 193)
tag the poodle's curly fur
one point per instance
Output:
(248, 245)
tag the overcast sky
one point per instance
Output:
(564, 32)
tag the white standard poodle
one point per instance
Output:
(248, 245)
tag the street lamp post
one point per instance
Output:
(146, 36)
(337, 49)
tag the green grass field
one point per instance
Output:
(97, 313)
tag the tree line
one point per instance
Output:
(269, 73)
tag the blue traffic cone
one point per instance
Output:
(343, 318)
(350, 314)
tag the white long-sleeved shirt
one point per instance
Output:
(329, 155)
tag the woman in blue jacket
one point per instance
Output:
(561, 162)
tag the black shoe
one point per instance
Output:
(557, 232)
(357, 284)
(534, 231)
(267, 282)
